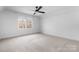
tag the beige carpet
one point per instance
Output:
(38, 43)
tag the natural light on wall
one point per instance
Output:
(24, 23)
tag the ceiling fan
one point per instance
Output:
(37, 10)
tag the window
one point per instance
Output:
(24, 23)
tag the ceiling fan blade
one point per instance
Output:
(38, 8)
(41, 12)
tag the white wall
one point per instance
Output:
(8, 26)
(62, 22)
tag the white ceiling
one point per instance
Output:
(30, 9)
(22, 9)
(1, 8)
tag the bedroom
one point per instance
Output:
(55, 30)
